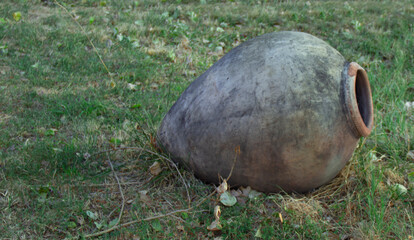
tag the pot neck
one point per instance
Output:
(357, 99)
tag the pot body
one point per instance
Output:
(284, 108)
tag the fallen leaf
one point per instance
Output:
(400, 189)
(143, 197)
(132, 86)
(109, 43)
(410, 156)
(254, 194)
(227, 199)
(92, 215)
(113, 222)
(217, 213)
(17, 16)
(155, 168)
(98, 225)
(223, 187)
(219, 50)
(154, 86)
(409, 106)
(215, 226)
(135, 44)
(71, 224)
(156, 225)
(258, 233)
(246, 190)
(236, 193)
(180, 227)
(57, 149)
(81, 220)
(139, 22)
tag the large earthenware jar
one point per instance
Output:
(291, 104)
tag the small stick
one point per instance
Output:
(155, 217)
(116, 226)
(237, 150)
(109, 184)
(178, 171)
(84, 32)
(154, 153)
(117, 149)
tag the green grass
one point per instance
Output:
(59, 106)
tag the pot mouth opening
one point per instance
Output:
(359, 100)
(363, 97)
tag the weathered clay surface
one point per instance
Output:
(279, 97)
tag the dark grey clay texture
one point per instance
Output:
(279, 98)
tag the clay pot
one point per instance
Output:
(286, 104)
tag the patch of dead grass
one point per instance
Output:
(304, 207)
(41, 91)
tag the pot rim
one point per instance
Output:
(358, 100)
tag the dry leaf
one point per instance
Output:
(254, 194)
(236, 193)
(258, 233)
(409, 106)
(400, 189)
(180, 227)
(132, 86)
(410, 156)
(223, 187)
(80, 220)
(143, 197)
(215, 226)
(246, 190)
(185, 43)
(227, 199)
(155, 168)
(154, 86)
(217, 213)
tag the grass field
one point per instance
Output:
(60, 109)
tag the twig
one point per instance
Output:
(164, 215)
(158, 155)
(84, 32)
(57, 230)
(116, 226)
(111, 184)
(178, 171)
(117, 149)
(237, 150)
